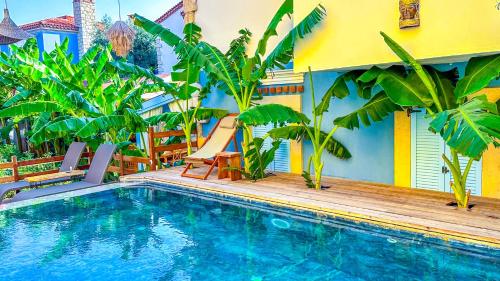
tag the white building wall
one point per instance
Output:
(166, 55)
(221, 20)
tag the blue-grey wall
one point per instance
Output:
(73, 44)
(72, 48)
(372, 148)
(72, 37)
(218, 99)
(5, 49)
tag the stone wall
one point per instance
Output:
(84, 12)
(159, 54)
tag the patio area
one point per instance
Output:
(384, 205)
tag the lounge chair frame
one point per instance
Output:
(71, 159)
(211, 163)
(94, 177)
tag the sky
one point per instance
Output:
(25, 11)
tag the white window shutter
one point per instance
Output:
(282, 157)
(281, 161)
(427, 151)
(427, 162)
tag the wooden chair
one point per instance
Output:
(217, 141)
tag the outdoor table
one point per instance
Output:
(230, 160)
(36, 180)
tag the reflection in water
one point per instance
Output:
(141, 234)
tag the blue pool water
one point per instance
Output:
(144, 234)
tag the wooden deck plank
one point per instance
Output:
(422, 210)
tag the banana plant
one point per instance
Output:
(299, 127)
(14, 87)
(260, 158)
(468, 123)
(184, 87)
(236, 72)
(87, 100)
(186, 120)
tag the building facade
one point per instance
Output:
(398, 150)
(173, 20)
(78, 29)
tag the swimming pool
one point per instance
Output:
(170, 234)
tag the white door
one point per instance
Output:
(281, 162)
(428, 170)
(473, 179)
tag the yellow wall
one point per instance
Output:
(221, 20)
(491, 159)
(350, 35)
(402, 154)
(295, 102)
(402, 149)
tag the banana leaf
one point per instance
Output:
(259, 158)
(181, 48)
(470, 128)
(405, 91)
(42, 120)
(89, 56)
(132, 100)
(134, 122)
(479, 73)
(379, 107)
(81, 104)
(172, 120)
(366, 82)
(21, 94)
(237, 52)
(101, 125)
(43, 135)
(299, 132)
(5, 130)
(271, 113)
(30, 108)
(424, 76)
(283, 52)
(73, 124)
(445, 86)
(286, 9)
(204, 113)
(339, 89)
(129, 120)
(232, 75)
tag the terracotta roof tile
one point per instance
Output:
(169, 12)
(59, 23)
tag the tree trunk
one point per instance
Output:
(19, 141)
(245, 145)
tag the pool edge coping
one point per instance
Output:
(446, 235)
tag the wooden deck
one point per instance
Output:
(403, 208)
